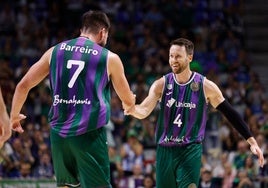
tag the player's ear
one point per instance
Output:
(190, 57)
(103, 33)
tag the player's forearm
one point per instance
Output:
(5, 127)
(129, 102)
(2, 108)
(2, 104)
(4, 119)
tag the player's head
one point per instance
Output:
(180, 54)
(96, 23)
(189, 46)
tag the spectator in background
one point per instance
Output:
(242, 180)
(240, 154)
(115, 164)
(251, 168)
(206, 180)
(25, 172)
(22, 151)
(117, 119)
(6, 163)
(219, 169)
(13, 169)
(229, 175)
(256, 97)
(148, 140)
(131, 153)
(44, 169)
(137, 177)
(263, 174)
(148, 181)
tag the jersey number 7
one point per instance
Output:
(80, 66)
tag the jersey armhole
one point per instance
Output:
(203, 80)
(107, 69)
(163, 89)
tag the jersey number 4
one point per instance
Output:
(79, 65)
(178, 121)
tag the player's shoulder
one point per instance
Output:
(49, 51)
(209, 83)
(47, 55)
(210, 86)
(113, 58)
(112, 54)
(160, 80)
(159, 84)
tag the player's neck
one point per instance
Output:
(88, 36)
(184, 77)
(84, 36)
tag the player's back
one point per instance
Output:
(80, 87)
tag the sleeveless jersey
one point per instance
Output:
(183, 109)
(80, 87)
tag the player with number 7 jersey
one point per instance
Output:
(80, 71)
(78, 66)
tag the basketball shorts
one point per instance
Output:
(81, 161)
(178, 167)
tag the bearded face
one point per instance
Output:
(178, 59)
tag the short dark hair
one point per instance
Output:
(189, 45)
(94, 20)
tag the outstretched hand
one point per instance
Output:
(15, 123)
(255, 149)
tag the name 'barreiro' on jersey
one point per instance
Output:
(81, 49)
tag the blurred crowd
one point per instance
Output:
(140, 34)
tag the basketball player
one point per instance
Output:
(80, 71)
(184, 96)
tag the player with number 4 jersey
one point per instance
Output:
(186, 113)
(184, 96)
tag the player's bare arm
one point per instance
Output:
(38, 71)
(212, 92)
(4, 120)
(119, 81)
(145, 108)
(5, 130)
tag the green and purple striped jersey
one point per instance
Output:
(80, 87)
(182, 118)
